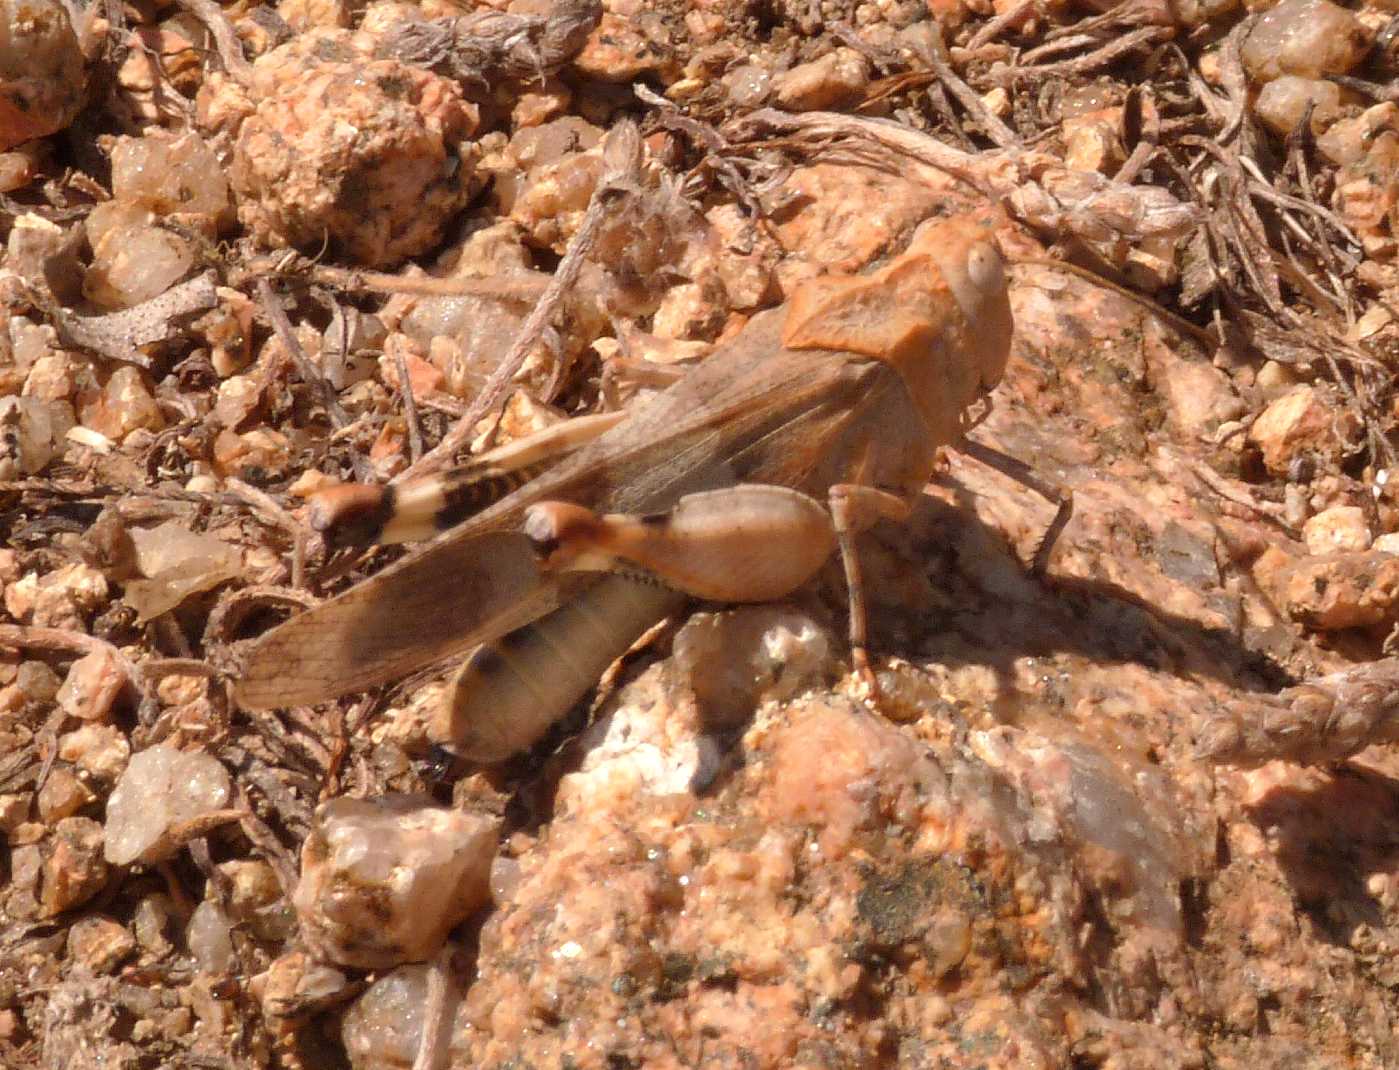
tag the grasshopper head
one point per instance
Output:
(965, 252)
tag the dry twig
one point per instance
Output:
(622, 152)
(1327, 719)
(225, 38)
(119, 335)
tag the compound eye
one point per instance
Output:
(985, 269)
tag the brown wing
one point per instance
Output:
(752, 411)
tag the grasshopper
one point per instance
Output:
(736, 484)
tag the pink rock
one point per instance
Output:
(73, 867)
(1298, 422)
(830, 83)
(62, 795)
(121, 405)
(92, 685)
(100, 943)
(372, 153)
(1341, 590)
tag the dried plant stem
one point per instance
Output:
(264, 505)
(225, 39)
(519, 288)
(1095, 60)
(410, 407)
(310, 374)
(1002, 22)
(540, 316)
(936, 58)
(437, 1007)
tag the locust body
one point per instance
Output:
(840, 398)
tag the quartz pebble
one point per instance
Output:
(161, 789)
(134, 262)
(62, 795)
(19, 168)
(99, 750)
(100, 943)
(42, 253)
(255, 899)
(1092, 142)
(61, 599)
(384, 1026)
(1387, 543)
(122, 404)
(152, 924)
(1295, 423)
(1342, 527)
(552, 199)
(261, 450)
(1199, 12)
(208, 938)
(13, 811)
(171, 175)
(41, 70)
(34, 431)
(1367, 190)
(383, 880)
(736, 659)
(53, 377)
(748, 85)
(1348, 140)
(834, 81)
(1310, 38)
(37, 682)
(176, 564)
(1283, 101)
(1275, 378)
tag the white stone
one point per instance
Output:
(384, 880)
(99, 750)
(208, 938)
(1387, 544)
(36, 437)
(1337, 529)
(177, 563)
(162, 787)
(384, 1026)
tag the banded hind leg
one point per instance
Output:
(510, 692)
(715, 545)
(748, 543)
(364, 514)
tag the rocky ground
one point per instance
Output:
(1140, 811)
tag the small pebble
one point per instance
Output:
(383, 880)
(161, 788)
